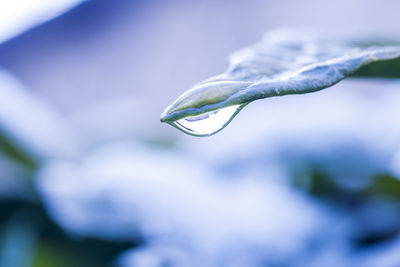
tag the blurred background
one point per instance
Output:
(90, 177)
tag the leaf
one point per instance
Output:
(282, 63)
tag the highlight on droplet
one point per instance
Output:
(207, 123)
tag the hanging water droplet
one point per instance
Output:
(207, 123)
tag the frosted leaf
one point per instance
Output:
(282, 63)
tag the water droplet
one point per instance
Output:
(207, 123)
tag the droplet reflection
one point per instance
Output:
(208, 123)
